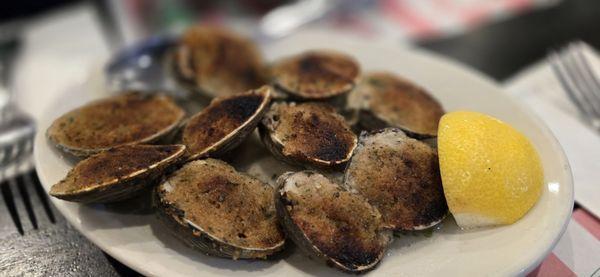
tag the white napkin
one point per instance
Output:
(539, 88)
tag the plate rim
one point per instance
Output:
(40, 138)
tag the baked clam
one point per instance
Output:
(315, 75)
(211, 207)
(310, 134)
(217, 62)
(225, 123)
(400, 176)
(130, 118)
(331, 223)
(117, 174)
(383, 99)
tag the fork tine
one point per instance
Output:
(10, 204)
(582, 79)
(593, 80)
(30, 145)
(568, 84)
(33, 178)
(23, 151)
(7, 151)
(579, 84)
(26, 200)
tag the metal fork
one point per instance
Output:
(17, 131)
(578, 79)
(16, 146)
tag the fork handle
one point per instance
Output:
(9, 49)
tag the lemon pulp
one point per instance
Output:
(491, 173)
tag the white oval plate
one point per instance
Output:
(133, 236)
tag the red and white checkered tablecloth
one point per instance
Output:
(418, 18)
(404, 19)
(578, 251)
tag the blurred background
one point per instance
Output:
(47, 47)
(497, 37)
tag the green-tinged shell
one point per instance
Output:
(400, 176)
(383, 99)
(315, 75)
(129, 118)
(117, 174)
(216, 62)
(331, 223)
(309, 134)
(211, 207)
(225, 123)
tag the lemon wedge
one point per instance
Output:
(491, 173)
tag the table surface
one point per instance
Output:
(499, 50)
(502, 49)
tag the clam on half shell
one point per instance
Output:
(130, 118)
(225, 123)
(328, 222)
(400, 176)
(310, 134)
(216, 62)
(383, 99)
(315, 75)
(117, 174)
(213, 208)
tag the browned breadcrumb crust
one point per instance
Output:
(218, 61)
(340, 224)
(235, 208)
(115, 165)
(400, 176)
(221, 118)
(399, 103)
(310, 131)
(123, 119)
(316, 74)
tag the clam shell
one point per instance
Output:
(309, 134)
(400, 176)
(130, 118)
(316, 75)
(216, 62)
(211, 207)
(383, 99)
(225, 123)
(117, 174)
(330, 223)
